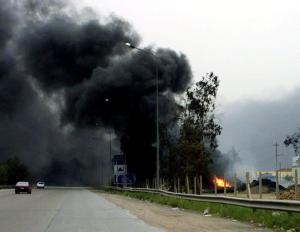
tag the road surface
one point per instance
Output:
(64, 210)
(83, 210)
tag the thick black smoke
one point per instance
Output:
(61, 53)
(60, 74)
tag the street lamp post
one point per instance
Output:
(100, 161)
(110, 146)
(107, 100)
(157, 110)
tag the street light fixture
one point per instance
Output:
(157, 112)
(129, 45)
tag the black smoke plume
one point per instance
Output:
(61, 73)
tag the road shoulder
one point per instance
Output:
(177, 220)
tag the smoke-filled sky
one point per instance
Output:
(59, 61)
(67, 81)
(253, 46)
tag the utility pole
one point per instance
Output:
(276, 154)
(101, 173)
(110, 161)
(279, 172)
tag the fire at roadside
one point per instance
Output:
(221, 184)
(268, 186)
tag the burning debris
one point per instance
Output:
(221, 183)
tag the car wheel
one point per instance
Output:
(29, 192)
(16, 192)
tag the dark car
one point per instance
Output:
(23, 186)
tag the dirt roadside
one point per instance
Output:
(177, 220)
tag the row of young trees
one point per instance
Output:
(189, 140)
(12, 171)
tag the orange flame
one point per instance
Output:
(221, 183)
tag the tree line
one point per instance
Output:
(12, 171)
(189, 139)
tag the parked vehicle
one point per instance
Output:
(23, 186)
(40, 184)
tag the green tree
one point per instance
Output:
(200, 109)
(3, 174)
(199, 130)
(12, 171)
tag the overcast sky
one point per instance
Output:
(253, 46)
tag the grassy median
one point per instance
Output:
(275, 220)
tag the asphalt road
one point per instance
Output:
(64, 210)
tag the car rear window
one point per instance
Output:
(22, 183)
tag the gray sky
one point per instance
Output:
(253, 46)
(253, 127)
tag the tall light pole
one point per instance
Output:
(100, 161)
(107, 100)
(157, 108)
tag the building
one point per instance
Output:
(272, 173)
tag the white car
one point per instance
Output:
(40, 184)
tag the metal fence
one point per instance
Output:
(274, 205)
(259, 188)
